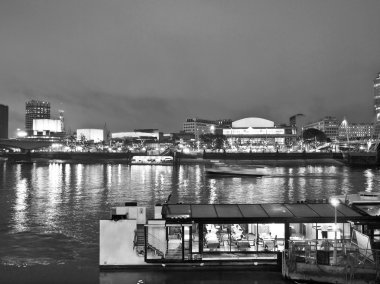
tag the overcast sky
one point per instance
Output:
(154, 63)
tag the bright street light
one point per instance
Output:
(212, 129)
(21, 133)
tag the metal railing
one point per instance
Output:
(156, 244)
(344, 254)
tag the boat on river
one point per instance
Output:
(152, 160)
(221, 169)
(294, 238)
(363, 197)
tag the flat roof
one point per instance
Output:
(268, 212)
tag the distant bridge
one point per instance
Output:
(25, 144)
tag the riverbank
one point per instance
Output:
(272, 159)
(268, 162)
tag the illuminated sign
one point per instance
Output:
(254, 131)
(52, 125)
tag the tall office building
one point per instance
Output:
(199, 126)
(35, 110)
(4, 114)
(297, 122)
(376, 87)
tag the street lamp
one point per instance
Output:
(212, 129)
(335, 202)
(345, 125)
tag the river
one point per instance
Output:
(50, 211)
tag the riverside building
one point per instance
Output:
(35, 109)
(47, 128)
(355, 131)
(329, 125)
(95, 135)
(258, 134)
(376, 87)
(199, 126)
(4, 114)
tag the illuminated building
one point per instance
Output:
(35, 110)
(329, 125)
(4, 114)
(62, 120)
(136, 135)
(224, 123)
(376, 87)
(258, 132)
(355, 131)
(199, 126)
(46, 128)
(95, 135)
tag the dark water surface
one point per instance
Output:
(50, 212)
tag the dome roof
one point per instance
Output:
(252, 122)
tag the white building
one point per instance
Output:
(47, 127)
(199, 126)
(136, 135)
(257, 131)
(96, 135)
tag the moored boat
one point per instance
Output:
(152, 160)
(357, 198)
(220, 169)
(220, 234)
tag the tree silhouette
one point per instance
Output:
(313, 134)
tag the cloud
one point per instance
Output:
(137, 64)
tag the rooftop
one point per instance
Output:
(261, 212)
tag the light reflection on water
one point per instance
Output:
(64, 202)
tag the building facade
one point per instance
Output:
(137, 134)
(35, 109)
(329, 125)
(95, 135)
(224, 123)
(355, 131)
(376, 87)
(199, 126)
(258, 134)
(4, 120)
(47, 128)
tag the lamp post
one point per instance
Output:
(335, 203)
(345, 125)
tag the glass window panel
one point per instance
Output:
(301, 231)
(271, 237)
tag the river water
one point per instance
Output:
(50, 212)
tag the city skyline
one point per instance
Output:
(154, 64)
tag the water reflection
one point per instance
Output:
(20, 207)
(369, 180)
(213, 194)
